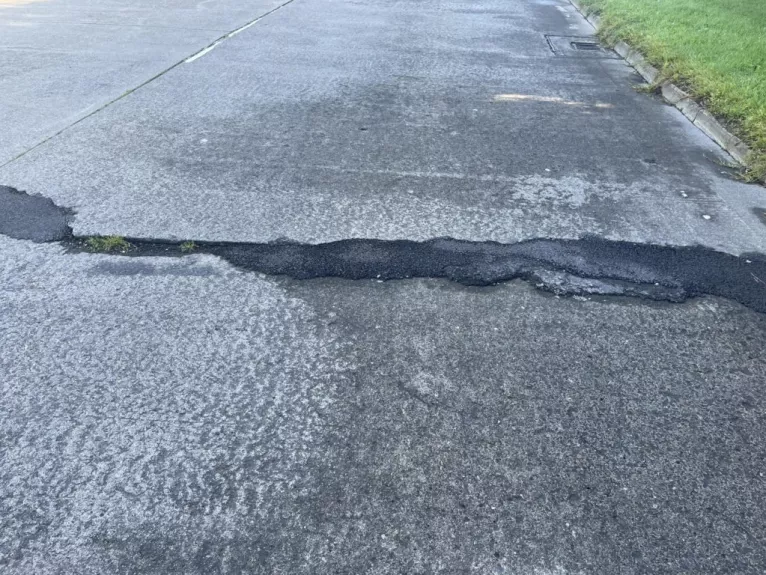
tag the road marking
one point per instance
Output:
(548, 99)
(245, 27)
(202, 52)
(231, 34)
(141, 85)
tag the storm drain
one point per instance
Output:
(585, 46)
(578, 47)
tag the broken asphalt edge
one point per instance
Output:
(586, 266)
(674, 96)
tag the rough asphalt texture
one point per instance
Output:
(166, 415)
(185, 417)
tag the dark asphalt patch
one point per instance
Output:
(587, 266)
(26, 217)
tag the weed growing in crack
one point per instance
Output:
(107, 244)
(188, 247)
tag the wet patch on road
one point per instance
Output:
(586, 266)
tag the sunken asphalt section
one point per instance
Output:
(268, 403)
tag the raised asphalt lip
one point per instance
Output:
(586, 266)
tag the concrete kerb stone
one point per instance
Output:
(674, 96)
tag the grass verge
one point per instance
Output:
(714, 49)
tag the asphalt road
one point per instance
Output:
(592, 411)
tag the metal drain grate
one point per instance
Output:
(585, 46)
(578, 47)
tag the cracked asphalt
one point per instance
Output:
(203, 414)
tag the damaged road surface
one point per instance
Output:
(177, 415)
(396, 288)
(589, 266)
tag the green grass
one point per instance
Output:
(107, 244)
(715, 49)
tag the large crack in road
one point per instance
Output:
(586, 266)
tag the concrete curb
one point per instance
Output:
(676, 97)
